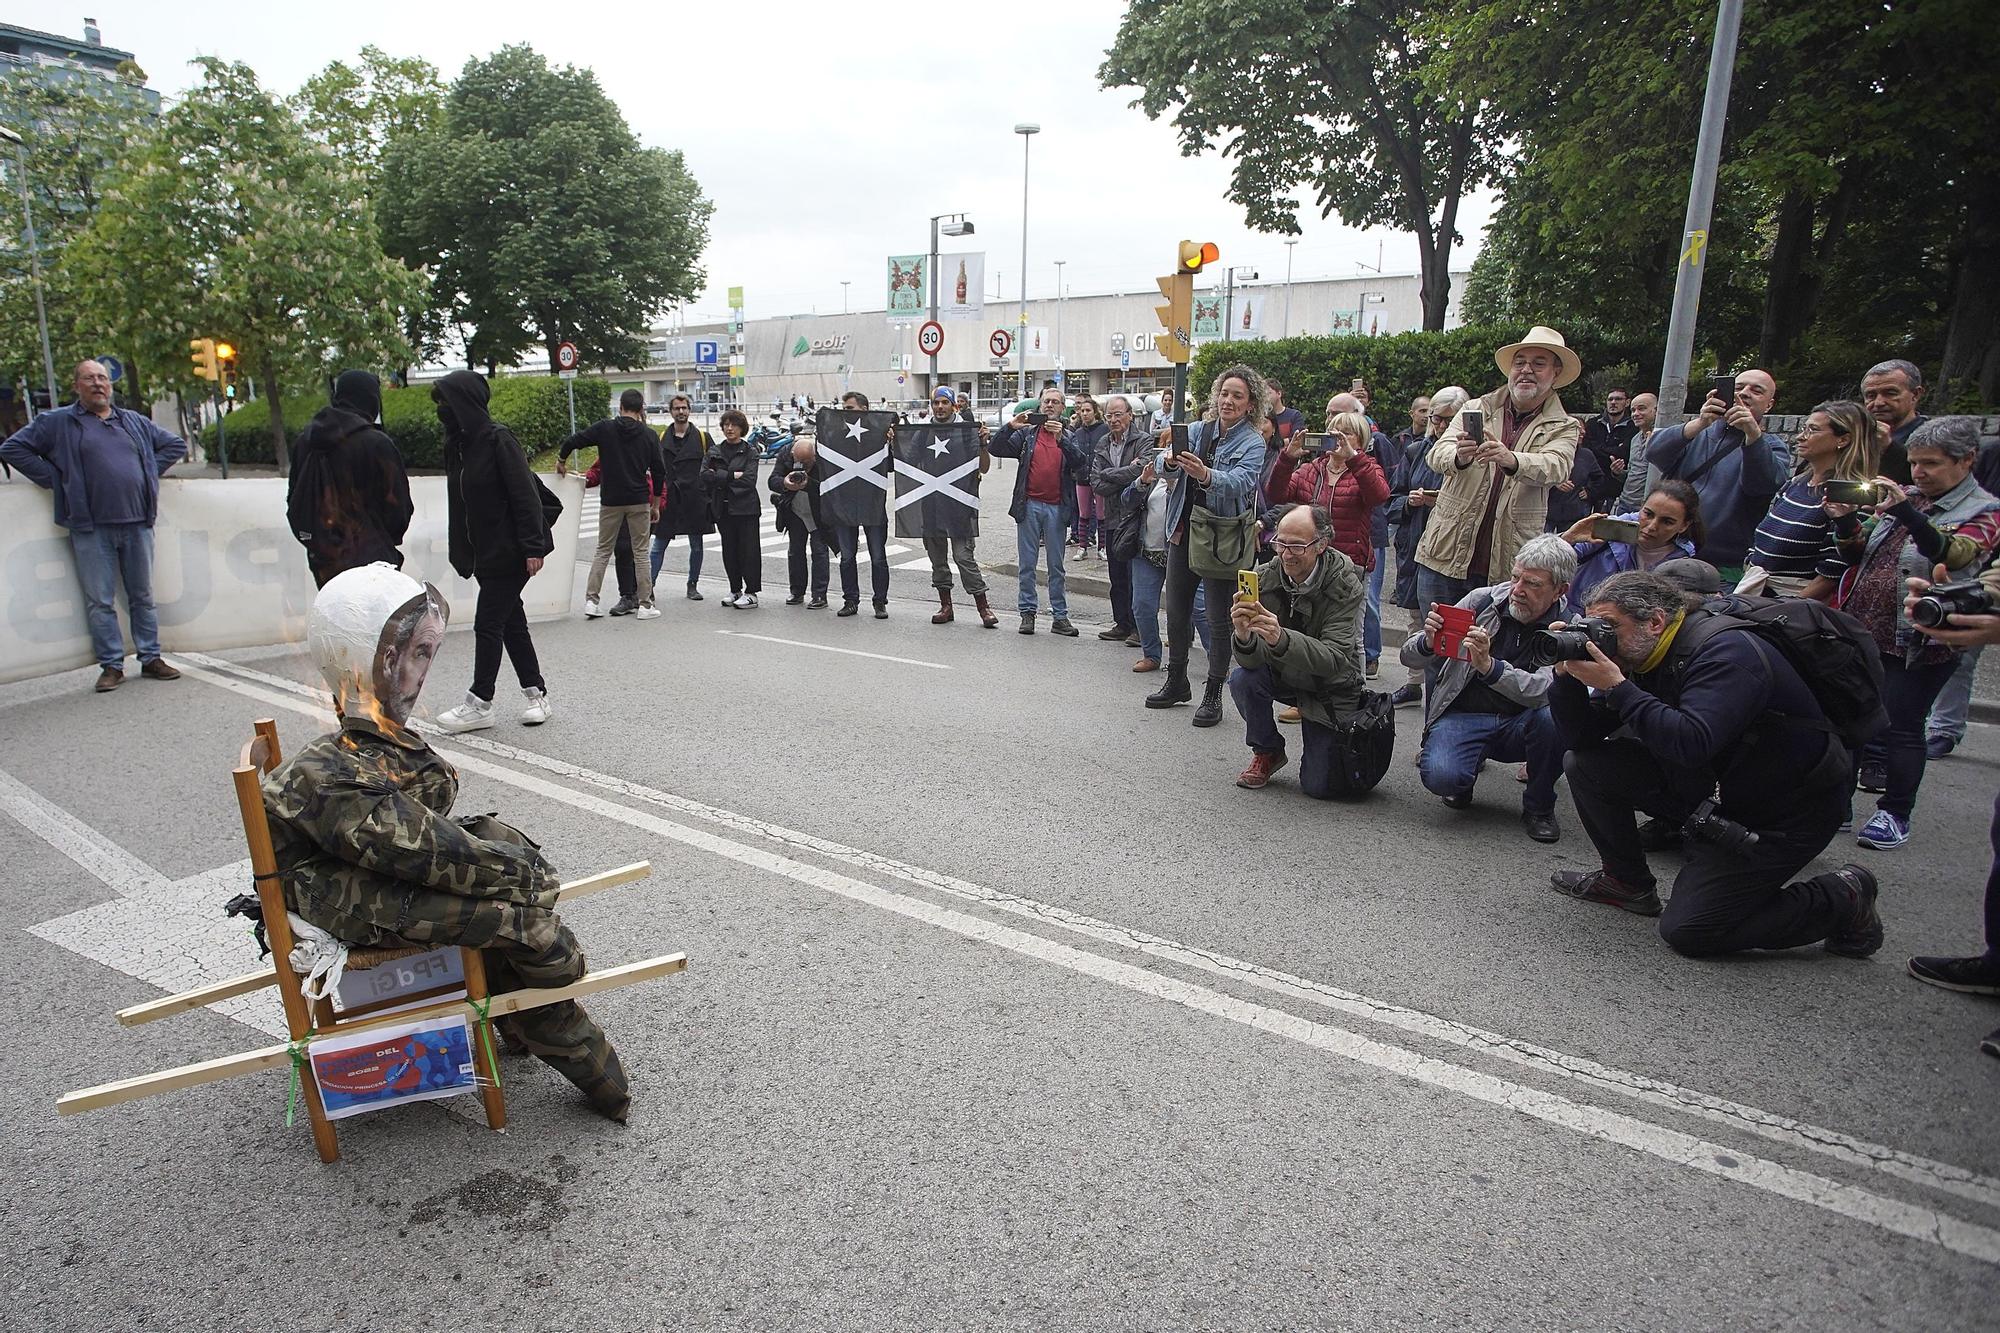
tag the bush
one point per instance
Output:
(534, 407)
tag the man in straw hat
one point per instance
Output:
(1497, 470)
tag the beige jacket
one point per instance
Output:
(1546, 448)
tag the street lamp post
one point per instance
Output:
(1025, 129)
(34, 266)
(1229, 298)
(958, 226)
(845, 283)
(1060, 375)
(1288, 286)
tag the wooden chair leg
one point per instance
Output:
(489, 1088)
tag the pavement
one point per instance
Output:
(1004, 1008)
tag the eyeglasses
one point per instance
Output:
(1296, 548)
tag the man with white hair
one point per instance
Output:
(1481, 704)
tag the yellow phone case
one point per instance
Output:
(1246, 585)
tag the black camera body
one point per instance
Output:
(1969, 598)
(1572, 642)
(1708, 825)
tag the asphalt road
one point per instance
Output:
(1004, 1008)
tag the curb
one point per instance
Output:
(1089, 585)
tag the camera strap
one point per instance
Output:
(1720, 454)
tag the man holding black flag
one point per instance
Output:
(938, 467)
(854, 494)
(1660, 707)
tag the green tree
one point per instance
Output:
(540, 217)
(233, 224)
(74, 129)
(1335, 95)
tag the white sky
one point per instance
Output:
(827, 140)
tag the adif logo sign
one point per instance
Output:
(819, 346)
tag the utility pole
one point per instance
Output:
(1288, 286)
(1700, 208)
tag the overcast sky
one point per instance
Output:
(827, 140)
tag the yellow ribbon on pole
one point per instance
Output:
(1696, 243)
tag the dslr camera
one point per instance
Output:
(1572, 642)
(1969, 598)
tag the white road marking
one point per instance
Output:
(922, 560)
(828, 648)
(1914, 1221)
(125, 874)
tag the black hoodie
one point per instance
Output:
(495, 506)
(627, 450)
(349, 496)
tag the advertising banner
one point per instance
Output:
(909, 294)
(962, 286)
(227, 572)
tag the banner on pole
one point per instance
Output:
(909, 288)
(962, 286)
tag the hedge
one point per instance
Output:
(534, 407)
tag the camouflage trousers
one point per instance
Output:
(523, 944)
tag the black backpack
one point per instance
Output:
(1829, 649)
(1364, 741)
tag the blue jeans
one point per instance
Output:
(1041, 528)
(1256, 691)
(660, 540)
(848, 540)
(1949, 712)
(104, 556)
(1148, 582)
(1440, 588)
(1371, 618)
(1458, 742)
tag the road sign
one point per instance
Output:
(704, 353)
(930, 338)
(112, 367)
(566, 374)
(566, 357)
(1000, 342)
(1124, 360)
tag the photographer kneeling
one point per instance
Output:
(1706, 710)
(1299, 643)
(1492, 702)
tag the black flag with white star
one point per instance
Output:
(937, 479)
(854, 467)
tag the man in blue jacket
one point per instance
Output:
(104, 464)
(1734, 465)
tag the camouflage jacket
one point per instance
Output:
(361, 822)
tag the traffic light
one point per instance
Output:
(225, 360)
(1194, 254)
(1176, 316)
(201, 351)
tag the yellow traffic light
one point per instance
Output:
(1194, 254)
(224, 352)
(1176, 317)
(201, 351)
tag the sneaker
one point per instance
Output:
(1883, 832)
(1027, 622)
(537, 711)
(1594, 886)
(475, 714)
(694, 593)
(1874, 777)
(647, 611)
(1974, 976)
(1116, 632)
(1862, 935)
(1937, 747)
(1407, 695)
(816, 604)
(625, 606)
(1541, 825)
(747, 602)
(1060, 625)
(848, 609)
(592, 610)
(1262, 766)
(729, 603)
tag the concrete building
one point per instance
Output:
(57, 57)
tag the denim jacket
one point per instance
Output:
(48, 452)
(1235, 461)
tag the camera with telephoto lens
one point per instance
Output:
(1572, 642)
(1970, 598)
(1717, 830)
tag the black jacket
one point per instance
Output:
(348, 501)
(627, 450)
(736, 495)
(494, 503)
(782, 498)
(686, 510)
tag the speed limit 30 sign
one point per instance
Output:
(566, 357)
(930, 338)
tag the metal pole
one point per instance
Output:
(933, 277)
(1060, 371)
(1288, 287)
(222, 436)
(844, 284)
(35, 269)
(572, 405)
(1228, 301)
(1701, 204)
(1026, 131)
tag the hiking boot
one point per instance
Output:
(1862, 935)
(109, 679)
(1173, 690)
(1541, 825)
(1884, 832)
(1060, 625)
(1262, 766)
(592, 609)
(1027, 622)
(157, 669)
(1208, 712)
(537, 711)
(943, 615)
(1594, 886)
(987, 616)
(475, 714)
(1974, 976)
(625, 606)
(1874, 777)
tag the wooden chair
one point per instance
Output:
(303, 1015)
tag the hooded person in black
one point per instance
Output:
(499, 536)
(349, 498)
(633, 474)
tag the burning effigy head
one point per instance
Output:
(373, 633)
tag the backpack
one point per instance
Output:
(1364, 741)
(309, 482)
(1833, 654)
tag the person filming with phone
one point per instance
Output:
(1707, 722)
(1297, 641)
(1732, 462)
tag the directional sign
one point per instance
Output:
(112, 367)
(1000, 342)
(930, 338)
(566, 357)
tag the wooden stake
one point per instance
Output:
(276, 1057)
(251, 982)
